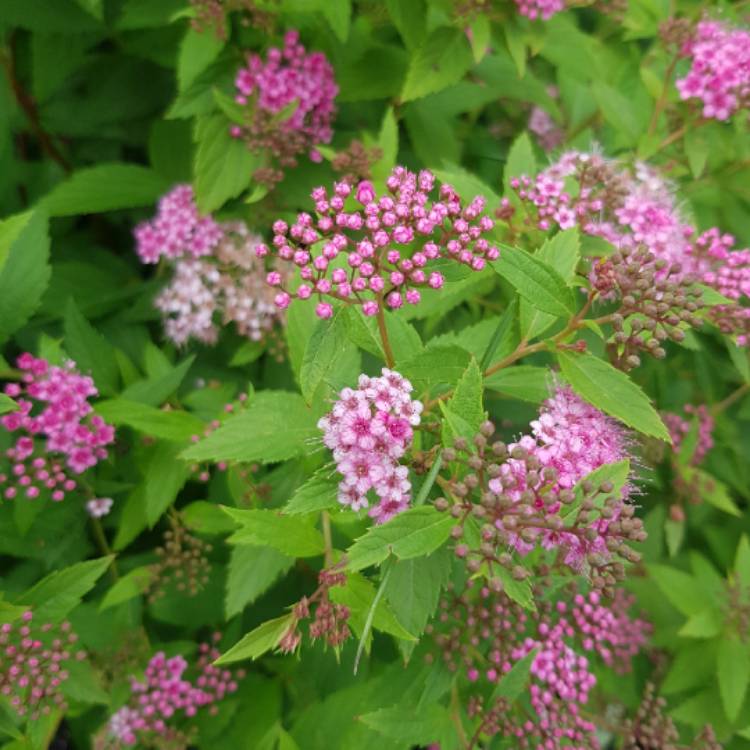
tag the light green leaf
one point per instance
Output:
(409, 18)
(521, 161)
(7, 404)
(679, 588)
(198, 50)
(413, 533)
(436, 365)
(705, 624)
(206, 518)
(251, 572)
(168, 425)
(733, 664)
(480, 36)
(132, 584)
(164, 477)
(742, 561)
(514, 683)
(291, 535)
(616, 473)
(257, 434)
(524, 382)
(466, 403)
(712, 490)
(612, 391)
(155, 390)
(432, 723)
(258, 641)
(338, 14)
(319, 492)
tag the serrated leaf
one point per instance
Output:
(338, 14)
(612, 391)
(57, 594)
(520, 161)
(524, 382)
(251, 572)
(198, 50)
(206, 518)
(705, 624)
(514, 682)
(325, 348)
(84, 684)
(258, 641)
(466, 403)
(134, 583)
(105, 187)
(733, 665)
(409, 19)
(436, 365)
(413, 533)
(257, 434)
(441, 60)
(536, 281)
(155, 390)
(288, 534)
(319, 492)
(168, 425)
(164, 477)
(617, 473)
(432, 723)
(7, 404)
(679, 588)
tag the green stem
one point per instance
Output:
(387, 351)
(730, 399)
(387, 568)
(325, 520)
(103, 544)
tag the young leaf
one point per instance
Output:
(251, 572)
(413, 533)
(536, 281)
(289, 534)
(258, 641)
(612, 391)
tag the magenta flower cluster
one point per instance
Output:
(574, 438)
(719, 72)
(217, 276)
(57, 433)
(679, 428)
(540, 9)
(290, 98)
(369, 429)
(177, 230)
(379, 251)
(166, 694)
(33, 661)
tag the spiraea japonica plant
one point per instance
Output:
(375, 374)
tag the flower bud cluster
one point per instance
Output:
(289, 100)
(541, 10)
(168, 693)
(217, 279)
(484, 633)
(183, 562)
(533, 492)
(33, 661)
(679, 428)
(379, 251)
(355, 162)
(214, 15)
(369, 429)
(330, 619)
(58, 437)
(719, 72)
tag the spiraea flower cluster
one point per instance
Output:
(290, 104)
(635, 211)
(483, 633)
(172, 690)
(217, 277)
(534, 492)
(719, 72)
(33, 660)
(330, 620)
(378, 252)
(541, 10)
(369, 429)
(57, 436)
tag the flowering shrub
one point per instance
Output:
(374, 375)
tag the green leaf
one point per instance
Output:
(24, 269)
(338, 13)
(251, 572)
(198, 50)
(679, 588)
(612, 391)
(697, 149)
(57, 594)
(164, 478)
(8, 721)
(740, 360)
(436, 365)
(706, 624)
(712, 490)
(733, 665)
(524, 382)
(291, 535)
(84, 685)
(519, 591)
(403, 337)
(155, 390)
(388, 144)
(91, 352)
(168, 425)
(480, 36)
(206, 518)
(742, 561)
(514, 682)
(325, 348)
(521, 161)
(257, 434)
(7, 404)
(616, 473)
(319, 492)
(468, 185)
(466, 403)
(536, 281)
(132, 584)
(432, 723)
(223, 165)
(413, 533)
(618, 111)
(258, 641)
(105, 187)
(409, 18)
(440, 61)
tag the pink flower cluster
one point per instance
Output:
(377, 251)
(548, 133)
(574, 438)
(485, 634)
(32, 664)
(369, 429)
(217, 276)
(290, 98)
(177, 230)
(720, 69)
(540, 9)
(679, 427)
(166, 694)
(57, 432)
(99, 507)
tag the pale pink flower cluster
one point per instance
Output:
(214, 283)
(57, 433)
(573, 438)
(679, 428)
(99, 507)
(540, 9)
(291, 100)
(166, 695)
(33, 660)
(369, 429)
(548, 133)
(719, 74)
(388, 244)
(177, 230)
